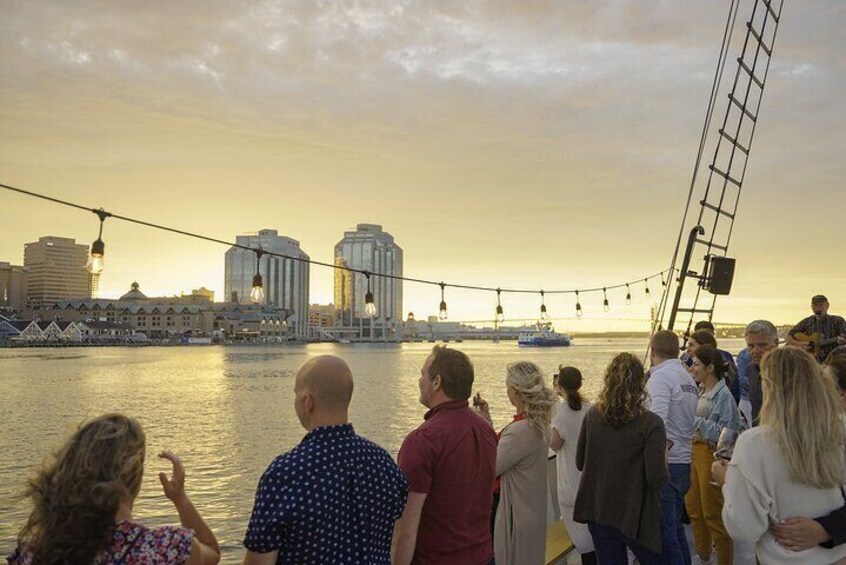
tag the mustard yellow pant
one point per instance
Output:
(704, 504)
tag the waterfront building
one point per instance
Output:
(321, 315)
(285, 281)
(47, 331)
(170, 317)
(13, 286)
(370, 248)
(57, 270)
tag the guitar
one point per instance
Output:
(814, 342)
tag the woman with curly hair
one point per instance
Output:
(622, 455)
(82, 505)
(521, 459)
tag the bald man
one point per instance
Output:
(333, 498)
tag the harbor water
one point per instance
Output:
(228, 411)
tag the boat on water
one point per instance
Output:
(544, 335)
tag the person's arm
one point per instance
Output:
(204, 547)
(800, 327)
(582, 443)
(798, 534)
(405, 529)
(745, 505)
(513, 447)
(253, 558)
(556, 442)
(660, 397)
(655, 456)
(727, 416)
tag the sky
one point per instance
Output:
(532, 144)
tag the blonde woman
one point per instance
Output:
(82, 505)
(622, 456)
(566, 426)
(521, 459)
(791, 464)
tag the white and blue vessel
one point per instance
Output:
(543, 336)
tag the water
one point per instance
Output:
(228, 411)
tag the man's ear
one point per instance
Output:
(437, 382)
(308, 402)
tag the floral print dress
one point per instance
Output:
(134, 544)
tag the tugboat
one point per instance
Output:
(544, 336)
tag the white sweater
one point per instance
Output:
(759, 493)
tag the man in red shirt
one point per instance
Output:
(449, 462)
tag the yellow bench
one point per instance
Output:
(558, 543)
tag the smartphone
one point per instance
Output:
(477, 399)
(670, 444)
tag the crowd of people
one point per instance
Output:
(631, 466)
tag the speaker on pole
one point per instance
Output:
(721, 275)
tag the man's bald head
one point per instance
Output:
(328, 380)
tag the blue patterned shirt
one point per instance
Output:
(334, 498)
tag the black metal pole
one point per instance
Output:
(691, 240)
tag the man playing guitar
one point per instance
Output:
(819, 333)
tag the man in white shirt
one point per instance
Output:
(673, 395)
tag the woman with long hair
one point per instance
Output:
(566, 426)
(82, 505)
(521, 459)
(792, 464)
(622, 455)
(716, 410)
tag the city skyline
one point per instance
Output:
(534, 146)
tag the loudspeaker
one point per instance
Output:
(721, 275)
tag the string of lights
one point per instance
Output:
(96, 264)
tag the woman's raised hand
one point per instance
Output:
(174, 488)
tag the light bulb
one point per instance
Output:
(544, 315)
(606, 306)
(578, 310)
(369, 305)
(628, 298)
(95, 265)
(648, 294)
(257, 294)
(500, 316)
(95, 260)
(442, 315)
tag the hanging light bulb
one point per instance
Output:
(257, 293)
(663, 280)
(442, 311)
(369, 305)
(95, 262)
(646, 290)
(500, 316)
(628, 295)
(578, 306)
(605, 305)
(543, 314)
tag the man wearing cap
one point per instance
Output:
(830, 329)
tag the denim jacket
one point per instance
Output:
(722, 413)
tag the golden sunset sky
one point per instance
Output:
(536, 144)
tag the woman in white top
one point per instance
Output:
(790, 465)
(566, 425)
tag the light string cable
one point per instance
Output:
(101, 213)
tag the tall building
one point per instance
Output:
(13, 283)
(57, 269)
(372, 249)
(285, 281)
